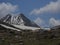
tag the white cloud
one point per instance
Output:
(40, 22)
(52, 7)
(6, 8)
(54, 22)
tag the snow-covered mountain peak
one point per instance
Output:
(18, 20)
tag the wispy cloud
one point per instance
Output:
(52, 7)
(6, 8)
(40, 22)
(54, 22)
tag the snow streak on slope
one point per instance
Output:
(26, 27)
(6, 19)
(9, 27)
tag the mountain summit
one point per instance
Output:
(18, 20)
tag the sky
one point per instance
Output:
(45, 13)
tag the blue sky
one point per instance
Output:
(45, 13)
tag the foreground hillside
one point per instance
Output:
(11, 37)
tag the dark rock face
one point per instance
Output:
(6, 19)
(27, 22)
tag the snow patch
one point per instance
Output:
(9, 27)
(26, 27)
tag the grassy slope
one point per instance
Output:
(8, 37)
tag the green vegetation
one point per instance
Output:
(9, 37)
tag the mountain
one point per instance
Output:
(18, 22)
(44, 36)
